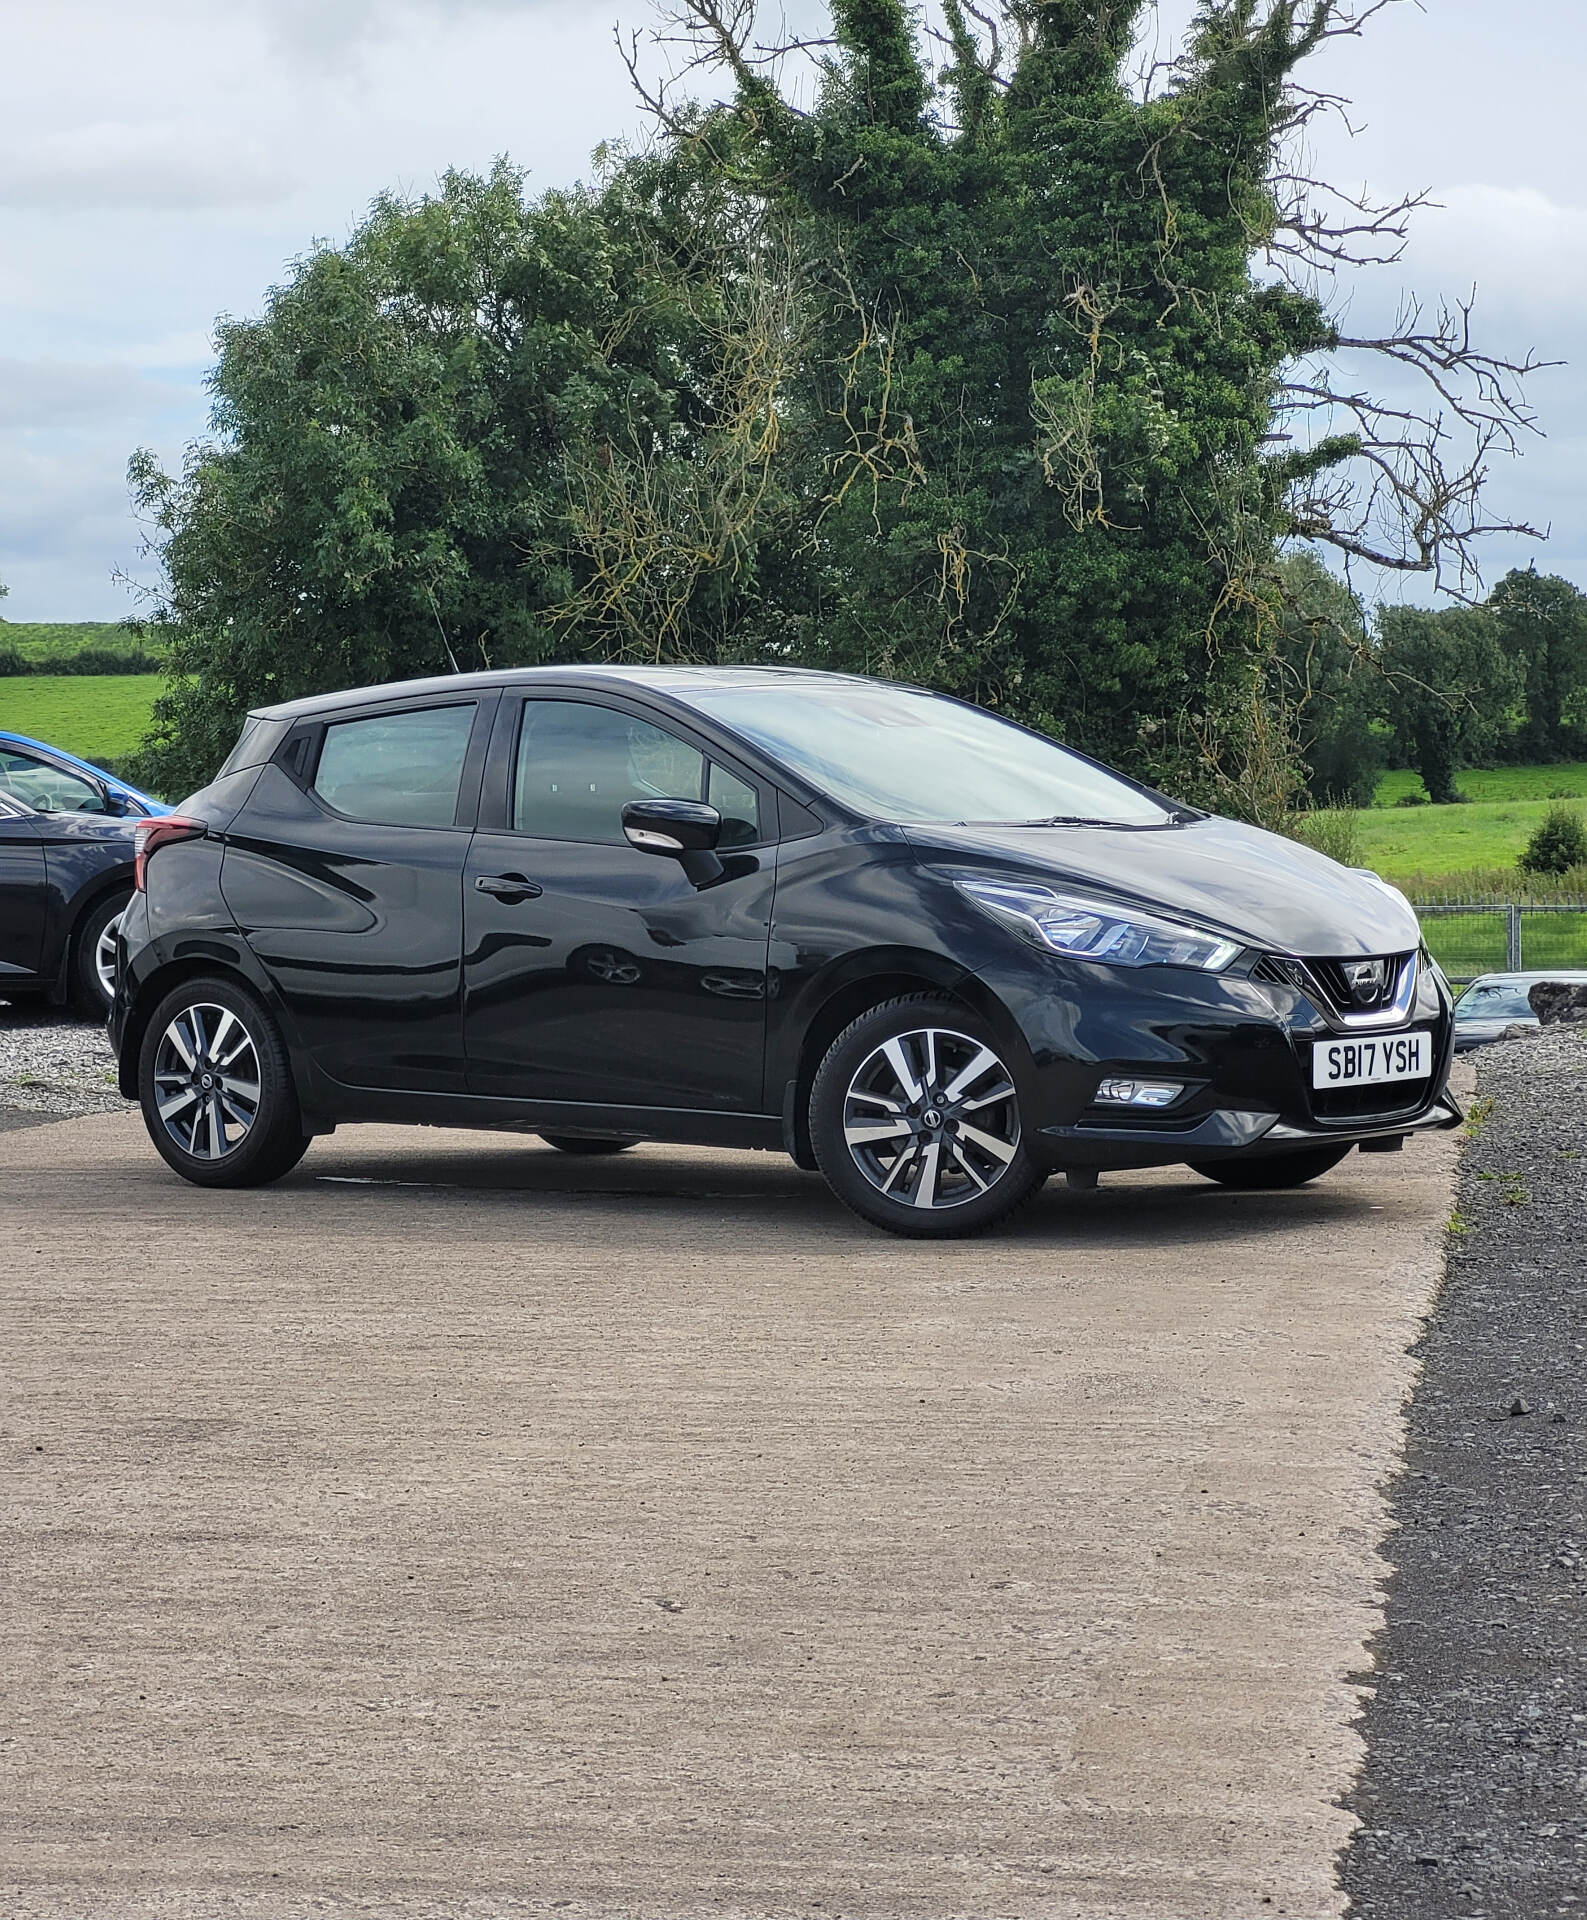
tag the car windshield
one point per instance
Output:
(896, 754)
(1506, 1002)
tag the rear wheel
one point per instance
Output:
(916, 1124)
(94, 956)
(216, 1089)
(574, 1144)
(1270, 1175)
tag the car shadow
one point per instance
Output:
(755, 1192)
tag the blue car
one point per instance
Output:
(52, 781)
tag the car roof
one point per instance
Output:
(678, 681)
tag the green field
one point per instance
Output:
(43, 640)
(1423, 843)
(1494, 783)
(101, 718)
(1463, 851)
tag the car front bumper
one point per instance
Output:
(1239, 1044)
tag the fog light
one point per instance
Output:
(1138, 1093)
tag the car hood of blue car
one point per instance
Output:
(1258, 887)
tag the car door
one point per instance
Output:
(344, 872)
(23, 894)
(595, 973)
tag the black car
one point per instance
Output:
(905, 941)
(65, 880)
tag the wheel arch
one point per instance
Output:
(93, 894)
(219, 958)
(836, 1001)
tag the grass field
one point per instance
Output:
(1428, 841)
(1495, 783)
(101, 717)
(44, 640)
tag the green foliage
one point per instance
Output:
(977, 377)
(1427, 842)
(1043, 375)
(13, 663)
(1542, 626)
(48, 640)
(1335, 831)
(386, 492)
(1454, 690)
(1331, 678)
(1559, 844)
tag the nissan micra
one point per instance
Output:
(929, 952)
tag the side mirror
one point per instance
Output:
(685, 830)
(672, 826)
(116, 804)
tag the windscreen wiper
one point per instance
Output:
(1071, 820)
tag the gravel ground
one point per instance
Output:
(53, 1067)
(1474, 1795)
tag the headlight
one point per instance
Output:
(1091, 930)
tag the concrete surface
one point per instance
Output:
(514, 1534)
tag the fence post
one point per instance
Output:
(1512, 942)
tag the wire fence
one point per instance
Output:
(1474, 939)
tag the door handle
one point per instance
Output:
(509, 886)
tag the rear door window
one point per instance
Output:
(397, 769)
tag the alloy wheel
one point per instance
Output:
(207, 1081)
(931, 1119)
(105, 958)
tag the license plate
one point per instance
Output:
(1370, 1063)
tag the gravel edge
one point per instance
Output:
(1473, 1797)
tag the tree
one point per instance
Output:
(1542, 625)
(1331, 680)
(1013, 376)
(1075, 382)
(1559, 844)
(387, 489)
(1454, 690)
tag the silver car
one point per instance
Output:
(1498, 1001)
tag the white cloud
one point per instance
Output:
(117, 164)
(163, 163)
(48, 393)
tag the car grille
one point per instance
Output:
(1329, 983)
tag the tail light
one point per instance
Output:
(150, 834)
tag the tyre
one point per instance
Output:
(215, 1087)
(574, 1144)
(916, 1124)
(94, 957)
(1271, 1175)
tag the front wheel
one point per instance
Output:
(1271, 1175)
(216, 1089)
(915, 1121)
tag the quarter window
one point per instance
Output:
(739, 805)
(397, 769)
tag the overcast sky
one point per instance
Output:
(163, 161)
